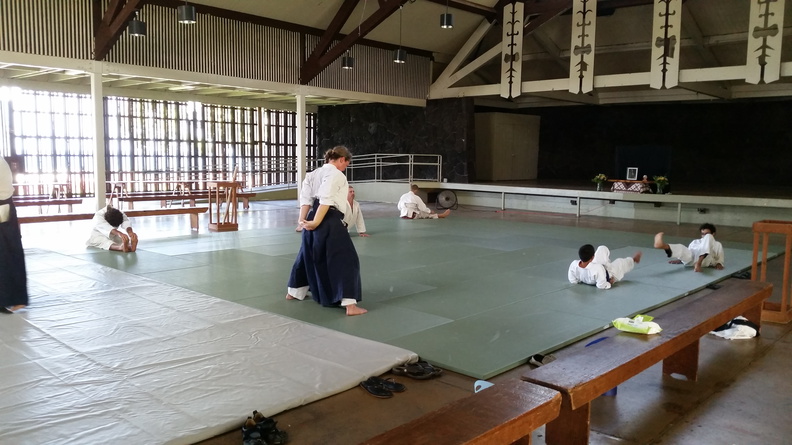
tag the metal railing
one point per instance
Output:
(381, 167)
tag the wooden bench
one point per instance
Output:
(41, 202)
(192, 211)
(585, 375)
(501, 414)
(190, 198)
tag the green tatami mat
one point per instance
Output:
(476, 296)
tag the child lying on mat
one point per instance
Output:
(595, 267)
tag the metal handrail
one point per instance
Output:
(385, 167)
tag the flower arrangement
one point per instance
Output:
(661, 182)
(600, 178)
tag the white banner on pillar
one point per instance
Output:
(765, 29)
(666, 38)
(581, 58)
(511, 49)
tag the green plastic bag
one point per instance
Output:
(640, 324)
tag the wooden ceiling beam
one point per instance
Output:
(113, 23)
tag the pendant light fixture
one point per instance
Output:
(137, 27)
(446, 20)
(347, 62)
(186, 13)
(400, 55)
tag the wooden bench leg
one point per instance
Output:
(194, 221)
(245, 203)
(684, 362)
(571, 427)
(754, 315)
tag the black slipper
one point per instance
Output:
(389, 384)
(430, 368)
(413, 371)
(375, 389)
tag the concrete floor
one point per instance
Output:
(742, 395)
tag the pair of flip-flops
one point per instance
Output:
(382, 388)
(420, 370)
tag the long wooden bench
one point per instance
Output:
(502, 414)
(586, 374)
(41, 202)
(192, 211)
(191, 198)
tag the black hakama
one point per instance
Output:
(13, 275)
(327, 262)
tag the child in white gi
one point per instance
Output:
(703, 252)
(596, 268)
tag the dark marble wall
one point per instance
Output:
(735, 143)
(444, 127)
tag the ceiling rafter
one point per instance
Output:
(112, 24)
(323, 59)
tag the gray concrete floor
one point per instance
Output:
(742, 395)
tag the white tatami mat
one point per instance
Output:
(102, 356)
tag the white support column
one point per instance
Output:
(765, 32)
(581, 61)
(97, 98)
(666, 41)
(511, 47)
(300, 140)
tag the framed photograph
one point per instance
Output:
(632, 173)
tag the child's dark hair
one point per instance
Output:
(586, 252)
(114, 217)
(709, 226)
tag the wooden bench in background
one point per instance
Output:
(191, 198)
(22, 201)
(192, 211)
(586, 374)
(502, 414)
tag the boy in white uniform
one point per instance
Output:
(700, 253)
(595, 267)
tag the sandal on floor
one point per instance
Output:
(413, 371)
(374, 388)
(436, 372)
(389, 384)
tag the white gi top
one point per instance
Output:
(6, 180)
(593, 274)
(355, 218)
(327, 184)
(103, 227)
(708, 244)
(411, 204)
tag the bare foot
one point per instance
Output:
(444, 214)
(16, 308)
(674, 261)
(659, 243)
(637, 257)
(133, 240)
(354, 309)
(289, 297)
(697, 267)
(124, 247)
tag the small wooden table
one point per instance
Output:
(223, 205)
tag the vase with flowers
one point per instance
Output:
(661, 182)
(600, 179)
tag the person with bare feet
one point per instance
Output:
(411, 206)
(595, 267)
(327, 264)
(112, 231)
(700, 253)
(13, 273)
(354, 218)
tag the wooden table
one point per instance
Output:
(629, 186)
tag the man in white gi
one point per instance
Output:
(112, 231)
(595, 267)
(354, 217)
(412, 206)
(700, 253)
